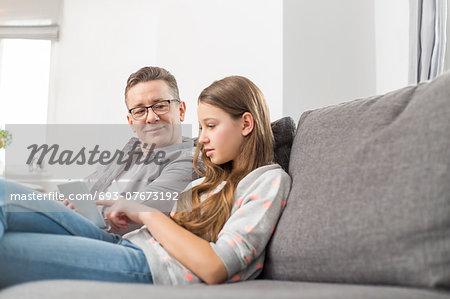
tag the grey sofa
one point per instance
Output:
(368, 215)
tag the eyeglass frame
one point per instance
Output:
(151, 107)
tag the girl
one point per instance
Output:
(218, 231)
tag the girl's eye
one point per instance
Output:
(211, 126)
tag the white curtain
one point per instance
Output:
(30, 32)
(30, 19)
(428, 20)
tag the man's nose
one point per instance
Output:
(152, 117)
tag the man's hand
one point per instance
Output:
(68, 204)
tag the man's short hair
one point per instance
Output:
(150, 73)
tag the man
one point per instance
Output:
(155, 113)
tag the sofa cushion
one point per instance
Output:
(370, 201)
(257, 289)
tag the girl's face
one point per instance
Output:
(220, 134)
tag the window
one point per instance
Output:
(24, 81)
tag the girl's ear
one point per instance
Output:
(247, 123)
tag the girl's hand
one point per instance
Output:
(123, 211)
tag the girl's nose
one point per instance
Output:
(202, 138)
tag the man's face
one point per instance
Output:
(161, 130)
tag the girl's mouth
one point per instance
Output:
(209, 152)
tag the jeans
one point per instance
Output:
(46, 240)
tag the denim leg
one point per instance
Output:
(34, 256)
(43, 216)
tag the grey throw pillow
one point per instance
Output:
(283, 133)
(370, 200)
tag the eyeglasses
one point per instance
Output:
(160, 108)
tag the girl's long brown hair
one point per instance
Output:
(234, 95)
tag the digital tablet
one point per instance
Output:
(77, 193)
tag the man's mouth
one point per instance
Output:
(153, 129)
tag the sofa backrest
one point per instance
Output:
(370, 200)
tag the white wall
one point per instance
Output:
(329, 53)
(200, 41)
(101, 43)
(392, 44)
(302, 54)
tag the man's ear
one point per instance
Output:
(130, 121)
(182, 110)
(247, 123)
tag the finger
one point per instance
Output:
(122, 223)
(120, 217)
(113, 225)
(115, 215)
(117, 219)
(118, 224)
(72, 207)
(104, 202)
(65, 202)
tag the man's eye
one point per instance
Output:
(139, 111)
